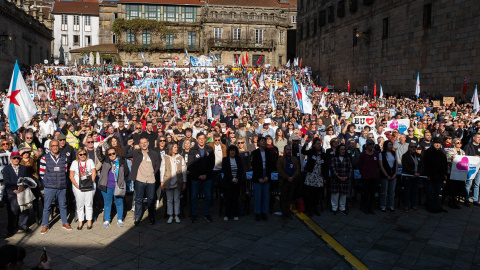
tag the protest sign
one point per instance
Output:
(400, 124)
(464, 167)
(361, 122)
(448, 100)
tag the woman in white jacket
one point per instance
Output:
(173, 176)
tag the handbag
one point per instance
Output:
(119, 191)
(300, 205)
(85, 182)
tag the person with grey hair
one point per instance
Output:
(29, 143)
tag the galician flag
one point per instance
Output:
(381, 92)
(19, 103)
(476, 105)
(272, 98)
(417, 88)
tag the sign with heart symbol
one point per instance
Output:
(400, 124)
(464, 167)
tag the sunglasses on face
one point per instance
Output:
(16, 158)
(29, 138)
(90, 142)
(111, 154)
(82, 154)
(162, 140)
(241, 142)
(5, 144)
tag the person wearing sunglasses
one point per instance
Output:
(454, 188)
(29, 143)
(81, 169)
(11, 174)
(112, 176)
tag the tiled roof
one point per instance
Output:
(64, 7)
(253, 3)
(102, 48)
(168, 2)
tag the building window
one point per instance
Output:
(219, 57)
(151, 12)
(146, 38)
(427, 15)
(280, 38)
(256, 57)
(170, 13)
(352, 6)
(341, 9)
(355, 38)
(130, 36)
(189, 14)
(322, 18)
(64, 22)
(280, 60)
(385, 28)
(192, 39)
(169, 39)
(258, 36)
(114, 38)
(76, 40)
(87, 20)
(134, 11)
(64, 40)
(308, 29)
(217, 32)
(294, 18)
(88, 40)
(237, 32)
(331, 14)
(76, 23)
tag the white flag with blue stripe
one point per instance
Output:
(272, 98)
(417, 87)
(143, 57)
(19, 106)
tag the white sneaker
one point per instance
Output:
(225, 218)
(157, 205)
(170, 219)
(106, 224)
(235, 218)
(177, 219)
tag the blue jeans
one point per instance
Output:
(388, 188)
(143, 190)
(261, 194)
(410, 191)
(49, 195)
(468, 185)
(207, 191)
(108, 198)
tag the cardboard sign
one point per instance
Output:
(464, 167)
(436, 103)
(448, 100)
(361, 121)
(400, 124)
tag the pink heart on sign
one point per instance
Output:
(394, 124)
(463, 164)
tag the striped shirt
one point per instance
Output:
(43, 164)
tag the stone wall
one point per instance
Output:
(396, 40)
(23, 38)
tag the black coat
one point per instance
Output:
(137, 155)
(227, 171)
(435, 164)
(408, 166)
(198, 166)
(310, 153)
(257, 165)
(10, 178)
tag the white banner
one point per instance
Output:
(361, 122)
(400, 124)
(464, 167)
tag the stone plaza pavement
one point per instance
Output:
(382, 241)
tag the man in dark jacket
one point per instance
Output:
(69, 152)
(201, 160)
(145, 166)
(288, 172)
(473, 149)
(53, 171)
(11, 173)
(412, 168)
(435, 166)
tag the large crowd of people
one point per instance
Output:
(183, 134)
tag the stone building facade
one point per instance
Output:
(262, 27)
(390, 42)
(23, 38)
